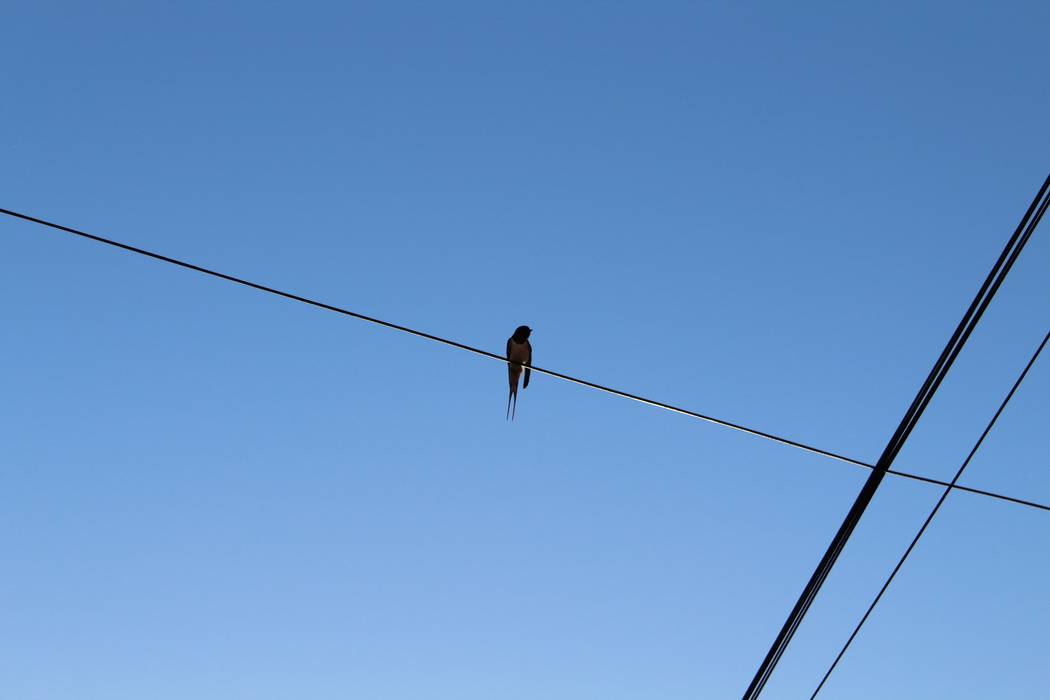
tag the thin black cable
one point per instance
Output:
(911, 417)
(929, 518)
(484, 353)
(944, 362)
(437, 339)
(951, 351)
(959, 487)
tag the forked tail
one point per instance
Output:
(512, 403)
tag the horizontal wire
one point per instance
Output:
(484, 353)
(968, 489)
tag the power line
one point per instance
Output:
(969, 321)
(929, 518)
(484, 353)
(434, 338)
(958, 487)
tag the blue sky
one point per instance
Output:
(771, 214)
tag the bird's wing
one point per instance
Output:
(528, 362)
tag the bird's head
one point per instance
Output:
(522, 333)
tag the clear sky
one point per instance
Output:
(772, 213)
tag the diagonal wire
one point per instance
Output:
(941, 367)
(930, 517)
(477, 351)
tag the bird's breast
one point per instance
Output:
(519, 352)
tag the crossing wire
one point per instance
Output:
(483, 353)
(944, 362)
(929, 518)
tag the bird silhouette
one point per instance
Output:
(519, 352)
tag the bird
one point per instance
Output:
(519, 352)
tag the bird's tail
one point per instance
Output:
(512, 403)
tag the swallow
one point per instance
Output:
(519, 352)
